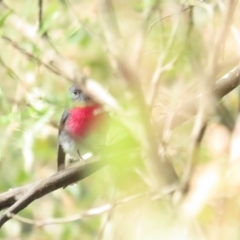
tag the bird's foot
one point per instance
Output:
(80, 157)
(72, 162)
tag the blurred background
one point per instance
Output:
(153, 56)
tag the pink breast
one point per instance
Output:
(82, 120)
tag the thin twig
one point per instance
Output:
(40, 7)
(141, 32)
(197, 136)
(172, 14)
(31, 56)
(88, 213)
(83, 25)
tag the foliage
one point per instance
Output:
(152, 56)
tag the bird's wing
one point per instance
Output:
(61, 153)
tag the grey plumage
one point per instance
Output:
(61, 152)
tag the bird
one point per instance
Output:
(81, 128)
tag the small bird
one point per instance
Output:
(81, 128)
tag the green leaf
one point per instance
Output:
(4, 17)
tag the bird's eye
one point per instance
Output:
(75, 92)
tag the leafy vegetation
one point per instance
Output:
(153, 57)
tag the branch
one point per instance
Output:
(188, 108)
(30, 56)
(40, 10)
(19, 198)
(87, 213)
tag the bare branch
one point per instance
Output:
(87, 213)
(110, 24)
(173, 14)
(188, 109)
(30, 56)
(40, 20)
(19, 198)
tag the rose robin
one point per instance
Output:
(81, 128)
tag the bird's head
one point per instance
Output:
(79, 97)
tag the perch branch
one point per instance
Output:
(19, 198)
